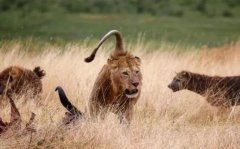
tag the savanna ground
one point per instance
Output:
(162, 119)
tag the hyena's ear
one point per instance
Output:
(186, 74)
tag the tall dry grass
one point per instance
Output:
(162, 119)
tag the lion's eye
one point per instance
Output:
(125, 73)
(137, 71)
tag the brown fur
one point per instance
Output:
(118, 85)
(21, 81)
(219, 91)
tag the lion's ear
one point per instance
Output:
(138, 60)
(112, 62)
(109, 61)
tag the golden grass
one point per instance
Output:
(162, 119)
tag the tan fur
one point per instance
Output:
(20, 81)
(118, 75)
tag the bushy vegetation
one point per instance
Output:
(191, 22)
(65, 27)
(227, 8)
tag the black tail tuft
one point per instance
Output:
(39, 72)
(92, 56)
(89, 59)
(66, 103)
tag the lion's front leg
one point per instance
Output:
(97, 111)
(126, 115)
(94, 110)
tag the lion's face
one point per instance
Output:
(180, 81)
(126, 75)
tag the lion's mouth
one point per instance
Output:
(131, 93)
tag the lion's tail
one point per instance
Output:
(118, 48)
(66, 103)
(39, 72)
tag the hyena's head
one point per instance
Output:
(9, 79)
(180, 81)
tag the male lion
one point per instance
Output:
(118, 85)
(21, 81)
(219, 91)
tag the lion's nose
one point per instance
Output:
(135, 84)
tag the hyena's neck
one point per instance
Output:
(199, 84)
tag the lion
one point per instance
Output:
(219, 91)
(118, 85)
(19, 81)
